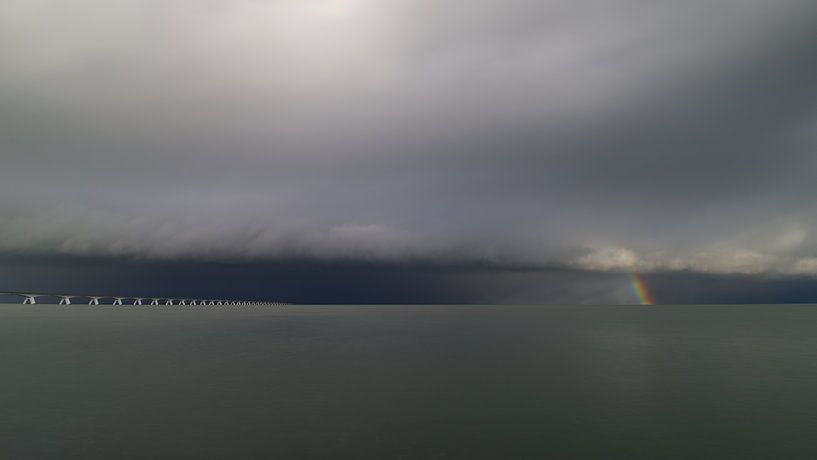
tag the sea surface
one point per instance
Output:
(404, 382)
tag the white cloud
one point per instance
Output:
(612, 259)
(714, 261)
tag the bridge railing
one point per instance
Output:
(32, 298)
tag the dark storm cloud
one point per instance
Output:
(625, 135)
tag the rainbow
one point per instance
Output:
(640, 290)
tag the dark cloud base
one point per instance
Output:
(311, 282)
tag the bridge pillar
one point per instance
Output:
(117, 301)
(29, 299)
(154, 302)
(65, 300)
(94, 301)
(137, 301)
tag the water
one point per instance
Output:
(408, 382)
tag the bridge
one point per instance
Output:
(31, 298)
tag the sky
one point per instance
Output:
(344, 151)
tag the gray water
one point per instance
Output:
(386, 382)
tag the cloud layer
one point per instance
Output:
(623, 135)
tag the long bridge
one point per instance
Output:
(30, 298)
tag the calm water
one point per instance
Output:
(408, 382)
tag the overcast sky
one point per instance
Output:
(584, 135)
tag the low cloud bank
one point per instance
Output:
(780, 249)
